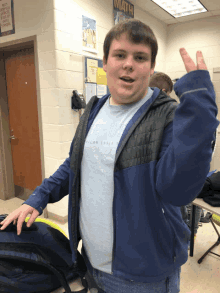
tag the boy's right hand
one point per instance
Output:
(19, 216)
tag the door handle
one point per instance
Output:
(12, 137)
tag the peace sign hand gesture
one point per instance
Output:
(188, 62)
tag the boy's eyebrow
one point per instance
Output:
(119, 50)
(124, 51)
(141, 52)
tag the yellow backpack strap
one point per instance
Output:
(216, 218)
(48, 222)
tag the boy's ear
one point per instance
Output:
(104, 64)
(152, 69)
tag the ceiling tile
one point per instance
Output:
(161, 14)
(147, 5)
(215, 12)
(194, 17)
(211, 4)
(170, 21)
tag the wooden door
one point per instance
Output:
(23, 118)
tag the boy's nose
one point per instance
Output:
(128, 64)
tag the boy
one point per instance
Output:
(135, 158)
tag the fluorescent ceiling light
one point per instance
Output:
(179, 8)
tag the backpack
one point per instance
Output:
(38, 260)
(211, 190)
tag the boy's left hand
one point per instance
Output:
(188, 62)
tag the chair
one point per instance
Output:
(214, 219)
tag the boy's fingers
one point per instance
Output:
(32, 219)
(183, 52)
(34, 214)
(20, 222)
(18, 217)
(2, 225)
(200, 61)
(6, 222)
(188, 62)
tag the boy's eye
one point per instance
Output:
(120, 55)
(141, 58)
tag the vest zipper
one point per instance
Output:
(74, 230)
(114, 230)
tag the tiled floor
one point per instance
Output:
(195, 278)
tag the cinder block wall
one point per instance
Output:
(204, 35)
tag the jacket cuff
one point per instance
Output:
(193, 81)
(34, 203)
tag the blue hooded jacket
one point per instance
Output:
(150, 237)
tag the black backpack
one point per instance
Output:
(38, 260)
(211, 190)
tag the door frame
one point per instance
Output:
(6, 167)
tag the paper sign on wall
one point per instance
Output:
(7, 26)
(122, 10)
(101, 76)
(92, 67)
(90, 91)
(101, 90)
(89, 34)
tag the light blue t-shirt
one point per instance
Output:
(97, 183)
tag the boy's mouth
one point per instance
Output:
(127, 79)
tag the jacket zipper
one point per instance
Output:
(174, 256)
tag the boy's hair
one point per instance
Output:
(161, 81)
(137, 33)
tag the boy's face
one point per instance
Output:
(128, 71)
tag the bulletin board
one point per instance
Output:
(95, 79)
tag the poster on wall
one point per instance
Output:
(7, 23)
(122, 10)
(89, 34)
(95, 79)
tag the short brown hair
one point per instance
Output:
(137, 32)
(161, 81)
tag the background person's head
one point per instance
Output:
(130, 50)
(161, 81)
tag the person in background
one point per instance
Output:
(134, 160)
(161, 81)
(164, 83)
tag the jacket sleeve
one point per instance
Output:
(186, 153)
(53, 188)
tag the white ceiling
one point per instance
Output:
(213, 7)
